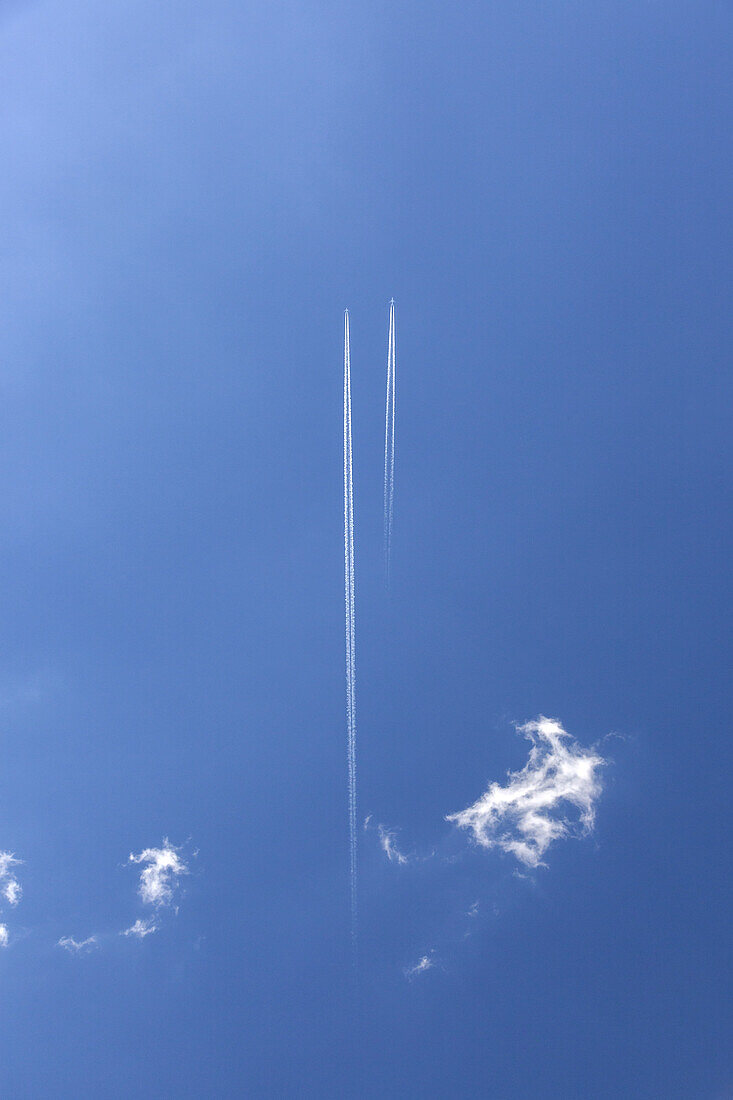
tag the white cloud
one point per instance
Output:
(158, 877)
(7, 860)
(389, 847)
(387, 841)
(423, 964)
(531, 811)
(77, 946)
(9, 886)
(141, 928)
(12, 891)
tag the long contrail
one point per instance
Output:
(389, 427)
(350, 628)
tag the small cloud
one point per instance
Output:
(524, 817)
(389, 847)
(141, 928)
(423, 964)
(9, 885)
(12, 891)
(7, 860)
(77, 947)
(473, 911)
(158, 878)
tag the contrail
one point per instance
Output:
(350, 629)
(389, 427)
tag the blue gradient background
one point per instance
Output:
(191, 194)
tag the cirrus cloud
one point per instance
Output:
(141, 928)
(425, 963)
(388, 842)
(76, 947)
(162, 867)
(10, 888)
(534, 807)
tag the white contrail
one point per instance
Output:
(350, 628)
(389, 427)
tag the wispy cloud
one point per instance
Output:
(77, 947)
(423, 964)
(7, 860)
(10, 888)
(12, 891)
(161, 869)
(158, 879)
(387, 839)
(531, 811)
(387, 842)
(141, 928)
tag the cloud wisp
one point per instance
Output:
(77, 947)
(388, 842)
(534, 807)
(425, 963)
(162, 867)
(10, 889)
(141, 928)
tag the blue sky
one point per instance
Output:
(191, 195)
